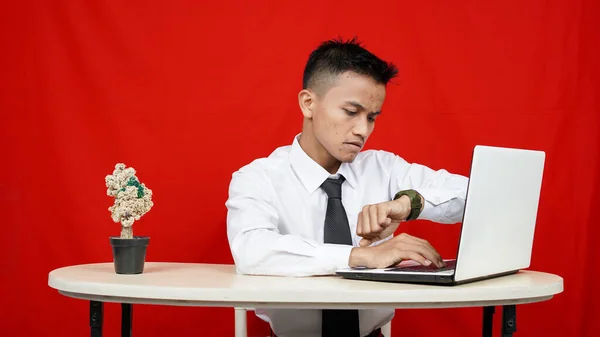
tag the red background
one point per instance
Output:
(187, 92)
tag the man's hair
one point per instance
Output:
(336, 56)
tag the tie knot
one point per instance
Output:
(333, 187)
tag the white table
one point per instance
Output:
(188, 284)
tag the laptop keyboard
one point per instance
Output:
(431, 268)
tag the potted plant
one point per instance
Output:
(132, 200)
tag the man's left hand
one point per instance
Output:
(378, 221)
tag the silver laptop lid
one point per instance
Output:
(500, 211)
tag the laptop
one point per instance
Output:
(498, 223)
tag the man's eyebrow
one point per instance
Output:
(358, 106)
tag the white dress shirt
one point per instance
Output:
(276, 214)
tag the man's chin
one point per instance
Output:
(348, 158)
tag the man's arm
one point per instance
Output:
(256, 244)
(442, 197)
(444, 193)
(259, 249)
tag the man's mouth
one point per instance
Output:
(357, 144)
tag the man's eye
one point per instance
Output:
(350, 112)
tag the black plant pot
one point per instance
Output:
(129, 255)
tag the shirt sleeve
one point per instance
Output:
(444, 192)
(257, 246)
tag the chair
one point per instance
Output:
(241, 327)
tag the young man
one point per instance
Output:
(321, 204)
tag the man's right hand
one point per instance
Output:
(393, 251)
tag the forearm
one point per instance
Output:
(265, 252)
(444, 193)
(442, 205)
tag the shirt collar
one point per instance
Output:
(310, 173)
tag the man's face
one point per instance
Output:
(344, 117)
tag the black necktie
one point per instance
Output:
(341, 323)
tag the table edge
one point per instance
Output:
(174, 295)
(305, 305)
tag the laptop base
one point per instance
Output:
(432, 279)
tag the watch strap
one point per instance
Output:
(415, 203)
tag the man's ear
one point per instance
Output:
(307, 100)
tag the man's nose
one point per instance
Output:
(361, 128)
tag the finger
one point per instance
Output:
(408, 247)
(407, 238)
(406, 254)
(433, 255)
(416, 241)
(419, 239)
(382, 217)
(365, 242)
(366, 227)
(428, 246)
(359, 229)
(422, 250)
(440, 261)
(425, 243)
(374, 222)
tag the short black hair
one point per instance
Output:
(337, 56)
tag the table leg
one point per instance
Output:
(509, 320)
(96, 313)
(126, 318)
(488, 319)
(240, 322)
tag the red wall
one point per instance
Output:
(187, 92)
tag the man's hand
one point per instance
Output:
(395, 250)
(377, 222)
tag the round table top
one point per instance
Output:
(195, 284)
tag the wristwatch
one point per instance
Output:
(415, 203)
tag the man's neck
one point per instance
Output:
(318, 153)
